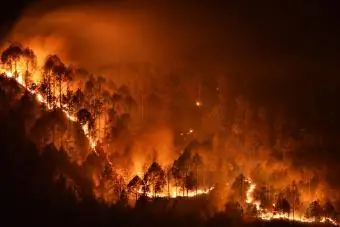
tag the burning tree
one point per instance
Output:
(251, 210)
(135, 185)
(154, 179)
(50, 67)
(329, 211)
(239, 187)
(282, 206)
(314, 210)
(11, 56)
(68, 101)
(185, 169)
(262, 194)
(84, 116)
(55, 67)
(112, 185)
(190, 182)
(293, 197)
(31, 62)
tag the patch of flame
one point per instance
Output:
(175, 192)
(268, 215)
(41, 99)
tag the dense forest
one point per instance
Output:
(64, 162)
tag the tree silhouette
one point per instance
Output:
(197, 164)
(329, 211)
(262, 194)
(239, 187)
(97, 106)
(190, 182)
(282, 206)
(50, 67)
(314, 210)
(181, 167)
(31, 60)
(251, 210)
(135, 185)
(11, 56)
(154, 179)
(293, 196)
(78, 99)
(60, 71)
(84, 116)
(68, 101)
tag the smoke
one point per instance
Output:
(171, 55)
(100, 35)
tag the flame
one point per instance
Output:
(19, 79)
(175, 192)
(268, 215)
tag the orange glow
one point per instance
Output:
(176, 192)
(162, 142)
(265, 214)
(198, 103)
(40, 98)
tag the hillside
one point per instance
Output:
(43, 187)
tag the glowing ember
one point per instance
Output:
(198, 103)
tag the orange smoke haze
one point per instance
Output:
(183, 76)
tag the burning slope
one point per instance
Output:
(155, 181)
(22, 75)
(265, 214)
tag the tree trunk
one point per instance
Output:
(61, 139)
(176, 188)
(98, 127)
(53, 134)
(168, 185)
(196, 179)
(183, 189)
(53, 96)
(105, 121)
(26, 75)
(60, 93)
(15, 69)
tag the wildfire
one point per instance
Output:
(174, 193)
(268, 215)
(41, 99)
(171, 191)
